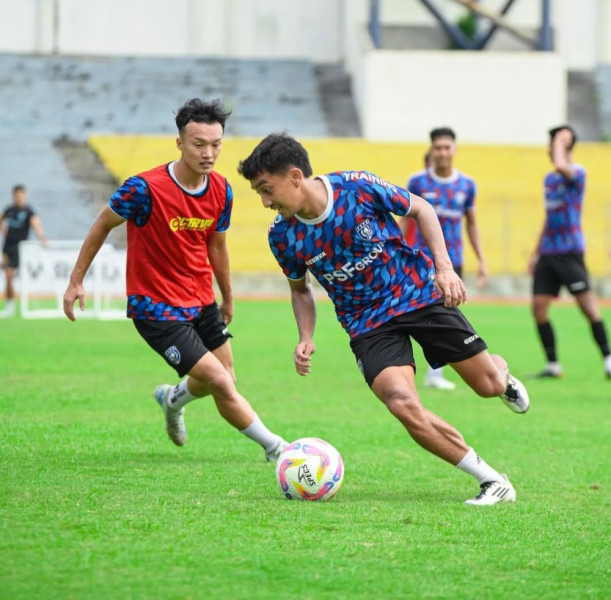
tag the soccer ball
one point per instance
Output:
(309, 469)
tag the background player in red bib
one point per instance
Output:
(177, 217)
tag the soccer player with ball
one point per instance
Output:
(177, 217)
(340, 228)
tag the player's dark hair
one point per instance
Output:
(554, 131)
(276, 154)
(18, 187)
(198, 111)
(442, 132)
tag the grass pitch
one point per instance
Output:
(96, 503)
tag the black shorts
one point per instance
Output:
(183, 343)
(12, 255)
(444, 334)
(554, 271)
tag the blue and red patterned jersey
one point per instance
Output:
(562, 233)
(168, 274)
(451, 197)
(357, 253)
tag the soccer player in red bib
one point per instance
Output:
(177, 217)
(558, 259)
(340, 228)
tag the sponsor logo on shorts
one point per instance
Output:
(578, 285)
(173, 355)
(360, 366)
(471, 339)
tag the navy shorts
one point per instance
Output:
(554, 271)
(444, 334)
(12, 255)
(183, 343)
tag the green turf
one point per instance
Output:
(96, 503)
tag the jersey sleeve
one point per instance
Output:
(290, 267)
(224, 220)
(387, 196)
(132, 200)
(579, 178)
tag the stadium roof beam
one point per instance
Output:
(543, 42)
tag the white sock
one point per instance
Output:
(9, 306)
(608, 363)
(257, 432)
(180, 395)
(435, 372)
(478, 467)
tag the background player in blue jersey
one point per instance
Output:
(340, 229)
(452, 195)
(15, 222)
(558, 259)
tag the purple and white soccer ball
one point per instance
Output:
(309, 469)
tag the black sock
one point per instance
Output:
(600, 336)
(546, 333)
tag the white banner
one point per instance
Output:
(44, 272)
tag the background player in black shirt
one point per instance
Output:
(16, 221)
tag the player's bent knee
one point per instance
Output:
(403, 404)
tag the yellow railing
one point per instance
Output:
(509, 202)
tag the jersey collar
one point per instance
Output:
(197, 192)
(325, 213)
(450, 179)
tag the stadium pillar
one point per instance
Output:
(546, 41)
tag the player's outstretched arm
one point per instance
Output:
(304, 308)
(218, 256)
(36, 224)
(474, 238)
(448, 283)
(91, 246)
(561, 154)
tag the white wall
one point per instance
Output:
(229, 28)
(489, 97)
(19, 26)
(311, 29)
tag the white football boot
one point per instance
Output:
(516, 396)
(494, 492)
(272, 455)
(174, 419)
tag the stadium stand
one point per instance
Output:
(54, 103)
(124, 106)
